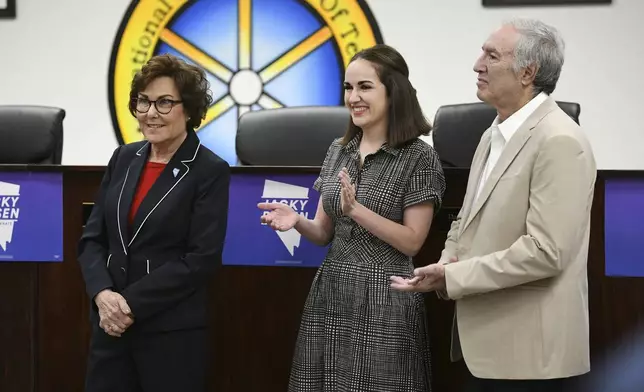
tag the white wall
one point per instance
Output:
(57, 53)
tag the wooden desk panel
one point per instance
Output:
(18, 287)
(616, 304)
(63, 306)
(44, 327)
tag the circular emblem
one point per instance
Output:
(258, 54)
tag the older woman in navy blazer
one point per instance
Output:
(153, 240)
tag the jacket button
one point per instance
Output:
(123, 269)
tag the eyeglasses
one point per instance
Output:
(163, 105)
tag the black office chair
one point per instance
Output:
(31, 134)
(295, 136)
(458, 129)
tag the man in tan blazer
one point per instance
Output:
(515, 257)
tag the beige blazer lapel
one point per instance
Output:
(476, 168)
(510, 151)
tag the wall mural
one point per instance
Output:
(259, 54)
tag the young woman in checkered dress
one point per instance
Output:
(380, 187)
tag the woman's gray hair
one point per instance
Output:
(542, 45)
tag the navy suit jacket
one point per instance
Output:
(161, 264)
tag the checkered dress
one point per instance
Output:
(357, 334)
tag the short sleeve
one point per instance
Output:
(317, 185)
(427, 181)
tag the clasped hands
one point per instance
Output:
(283, 218)
(114, 312)
(425, 279)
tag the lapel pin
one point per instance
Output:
(175, 171)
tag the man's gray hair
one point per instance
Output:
(542, 45)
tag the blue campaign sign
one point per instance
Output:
(249, 242)
(624, 227)
(31, 216)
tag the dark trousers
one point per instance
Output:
(554, 385)
(148, 362)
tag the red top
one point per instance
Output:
(151, 172)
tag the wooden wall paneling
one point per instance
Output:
(18, 341)
(62, 303)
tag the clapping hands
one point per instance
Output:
(280, 216)
(347, 192)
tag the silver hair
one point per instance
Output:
(542, 45)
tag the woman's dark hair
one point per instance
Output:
(406, 119)
(191, 82)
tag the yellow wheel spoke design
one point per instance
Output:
(296, 54)
(270, 72)
(345, 23)
(194, 54)
(244, 50)
(268, 102)
(220, 107)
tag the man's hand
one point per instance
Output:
(429, 278)
(115, 314)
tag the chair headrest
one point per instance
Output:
(31, 134)
(458, 129)
(572, 109)
(294, 136)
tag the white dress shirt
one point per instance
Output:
(502, 132)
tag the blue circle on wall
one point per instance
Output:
(258, 54)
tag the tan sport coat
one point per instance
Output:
(520, 284)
